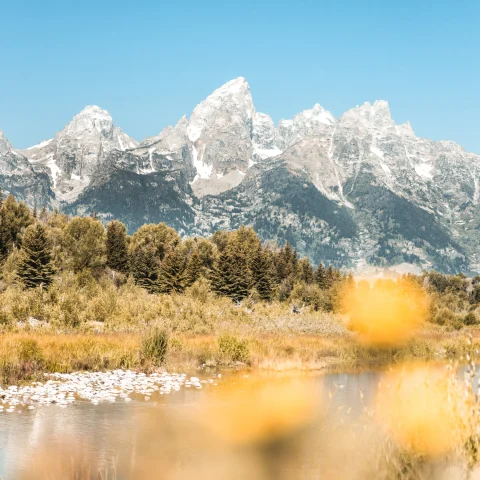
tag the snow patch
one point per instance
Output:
(424, 170)
(41, 144)
(264, 153)
(150, 153)
(376, 151)
(386, 169)
(120, 143)
(54, 169)
(203, 170)
(194, 132)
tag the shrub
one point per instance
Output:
(155, 345)
(233, 349)
(470, 319)
(444, 316)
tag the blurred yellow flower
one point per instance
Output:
(252, 412)
(423, 409)
(386, 313)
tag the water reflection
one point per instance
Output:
(170, 431)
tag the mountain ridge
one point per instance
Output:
(228, 163)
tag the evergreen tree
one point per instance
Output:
(305, 271)
(263, 274)
(286, 262)
(43, 217)
(117, 252)
(15, 217)
(231, 276)
(332, 276)
(172, 277)
(194, 268)
(144, 268)
(35, 268)
(321, 277)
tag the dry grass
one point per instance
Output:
(26, 355)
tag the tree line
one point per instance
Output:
(36, 246)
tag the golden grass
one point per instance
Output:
(27, 355)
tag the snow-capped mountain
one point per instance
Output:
(357, 191)
(78, 151)
(18, 177)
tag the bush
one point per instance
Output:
(470, 319)
(233, 349)
(155, 345)
(444, 316)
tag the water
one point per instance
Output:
(111, 433)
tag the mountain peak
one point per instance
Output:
(377, 114)
(91, 118)
(5, 146)
(235, 86)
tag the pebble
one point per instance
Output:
(63, 389)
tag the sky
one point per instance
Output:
(150, 62)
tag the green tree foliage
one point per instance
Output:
(144, 268)
(35, 267)
(15, 217)
(194, 269)
(163, 238)
(234, 264)
(84, 244)
(263, 274)
(286, 263)
(321, 277)
(116, 245)
(172, 276)
(305, 271)
(231, 275)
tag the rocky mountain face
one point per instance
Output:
(358, 192)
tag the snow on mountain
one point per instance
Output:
(358, 191)
(75, 154)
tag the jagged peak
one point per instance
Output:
(5, 145)
(406, 129)
(91, 118)
(377, 113)
(318, 114)
(235, 85)
(94, 110)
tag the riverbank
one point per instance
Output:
(27, 355)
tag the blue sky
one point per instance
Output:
(148, 63)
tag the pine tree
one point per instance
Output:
(332, 276)
(15, 217)
(172, 277)
(144, 268)
(321, 277)
(231, 276)
(263, 274)
(35, 268)
(286, 262)
(117, 252)
(194, 269)
(305, 271)
(43, 217)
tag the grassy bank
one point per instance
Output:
(27, 355)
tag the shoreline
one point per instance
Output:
(25, 356)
